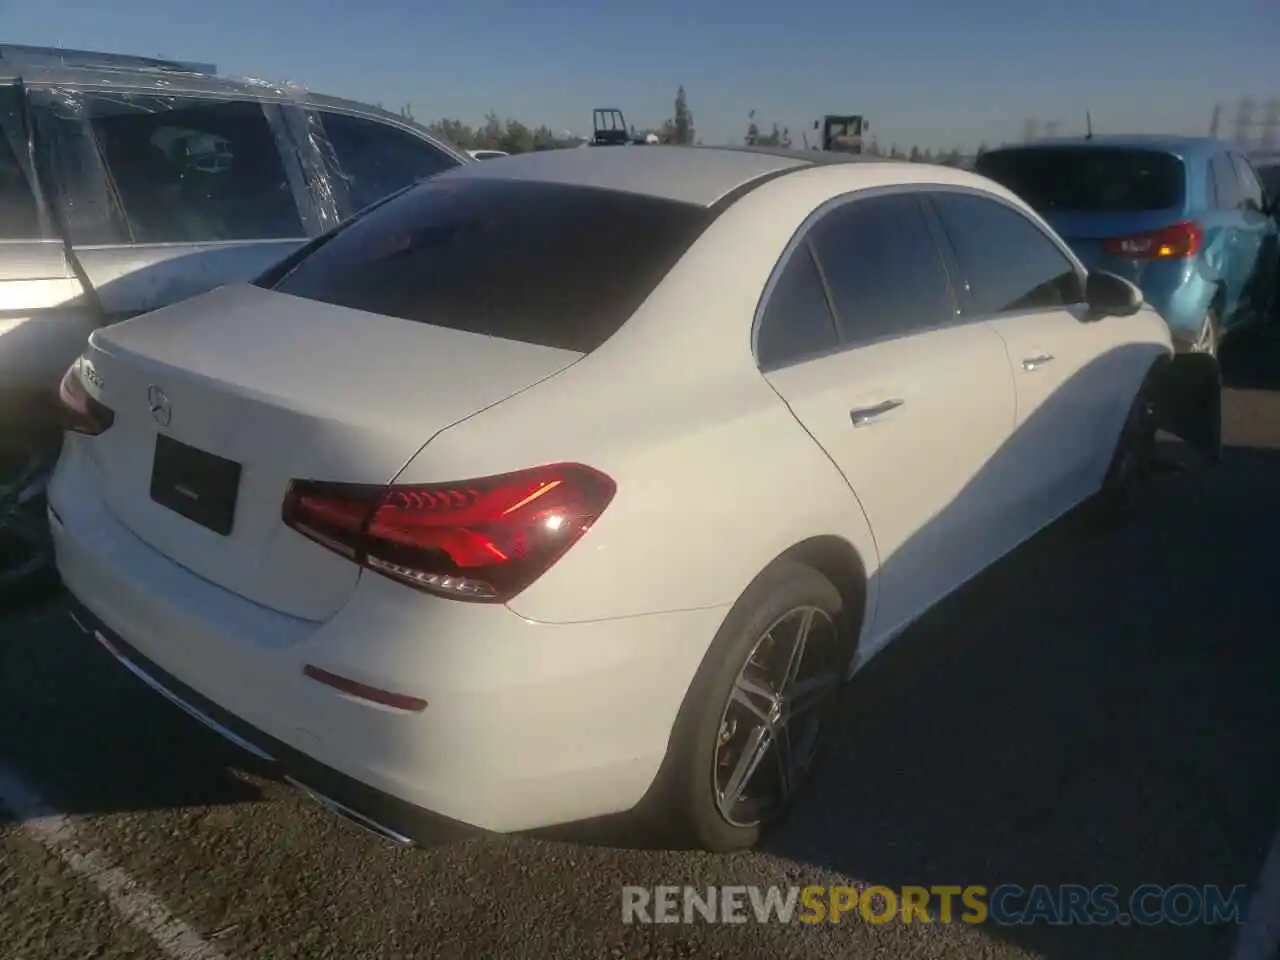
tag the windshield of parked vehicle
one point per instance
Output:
(561, 266)
(1088, 179)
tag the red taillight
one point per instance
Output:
(1180, 240)
(483, 540)
(78, 411)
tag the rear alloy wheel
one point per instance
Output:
(772, 723)
(1207, 340)
(752, 724)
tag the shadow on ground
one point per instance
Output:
(94, 736)
(1087, 712)
(1251, 359)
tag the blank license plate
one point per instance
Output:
(200, 486)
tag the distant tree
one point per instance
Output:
(682, 122)
(771, 139)
(489, 137)
(543, 137)
(516, 138)
(951, 158)
(895, 153)
(407, 112)
(873, 148)
(982, 148)
(914, 156)
(454, 131)
(753, 134)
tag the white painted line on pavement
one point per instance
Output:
(1261, 935)
(132, 901)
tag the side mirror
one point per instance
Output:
(1111, 296)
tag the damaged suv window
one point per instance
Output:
(18, 217)
(185, 170)
(378, 159)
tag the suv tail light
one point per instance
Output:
(77, 410)
(482, 540)
(1180, 240)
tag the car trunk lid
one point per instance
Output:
(221, 400)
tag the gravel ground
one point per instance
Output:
(1090, 711)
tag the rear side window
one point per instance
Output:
(184, 171)
(18, 217)
(1009, 263)
(378, 159)
(556, 265)
(883, 268)
(797, 321)
(1226, 186)
(1088, 179)
(1250, 188)
(1270, 176)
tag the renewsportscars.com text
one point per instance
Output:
(1004, 905)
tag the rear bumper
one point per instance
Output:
(374, 810)
(527, 724)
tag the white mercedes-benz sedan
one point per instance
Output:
(575, 484)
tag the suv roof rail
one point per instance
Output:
(20, 55)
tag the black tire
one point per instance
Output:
(1127, 484)
(687, 792)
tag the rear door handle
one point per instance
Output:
(864, 415)
(1036, 362)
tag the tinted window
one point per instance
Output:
(1087, 178)
(797, 321)
(1270, 176)
(18, 218)
(1226, 188)
(883, 268)
(188, 170)
(1007, 260)
(544, 263)
(379, 159)
(1250, 189)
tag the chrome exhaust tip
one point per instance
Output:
(366, 824)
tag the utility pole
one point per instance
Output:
(1244, 120)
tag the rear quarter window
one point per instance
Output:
(1090, 179)
(556, 265)
(1269, 174)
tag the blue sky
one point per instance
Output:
(934, 72)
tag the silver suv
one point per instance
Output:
(127, 184)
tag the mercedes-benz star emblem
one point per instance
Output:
(161, 412)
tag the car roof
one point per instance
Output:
(93, 71)
(696, 175)
(1168, 142)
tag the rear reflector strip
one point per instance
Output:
(363, 691)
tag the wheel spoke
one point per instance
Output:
(807, 694)
(754, 697)
(798, 647)
(752, 753)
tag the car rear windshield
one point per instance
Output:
(556, 265)
(1088, 178)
